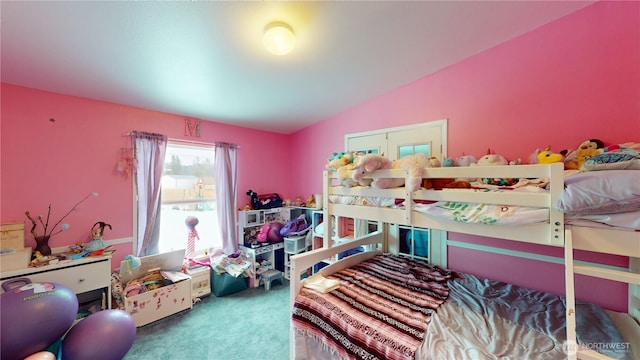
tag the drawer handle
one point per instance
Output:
(81, 280)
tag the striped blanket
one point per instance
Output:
(380, 311)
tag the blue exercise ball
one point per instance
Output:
(105, 335)
(33, 316)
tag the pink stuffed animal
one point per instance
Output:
(372, 162)
(412, 164)
(466, 160)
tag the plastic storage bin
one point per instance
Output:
(295, 244)
(225, 284)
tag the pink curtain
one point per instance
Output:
(150, 150)
(225, 173)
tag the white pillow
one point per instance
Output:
(601, 192)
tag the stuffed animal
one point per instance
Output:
(311, 201)
(495, 160)
(547, 157)
(339, 159)
(372, 162)
(448, 162)
(466, 160)
(412, 164)
(345, 174)
(117, 292)
(588, 148)
(492, 160)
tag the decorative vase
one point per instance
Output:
(42, 245)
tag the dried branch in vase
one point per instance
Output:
(45, 223)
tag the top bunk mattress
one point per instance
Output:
(607, 199)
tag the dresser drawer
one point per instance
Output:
(80, 278)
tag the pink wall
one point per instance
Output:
(570, 80)
(59, 162)
(573, 79)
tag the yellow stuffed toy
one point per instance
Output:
(548, 157)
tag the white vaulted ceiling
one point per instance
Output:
(205, 59)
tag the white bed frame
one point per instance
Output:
(553, 233)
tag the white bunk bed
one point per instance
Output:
(551, 232)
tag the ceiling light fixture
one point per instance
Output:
(278, 38)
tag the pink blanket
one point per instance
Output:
(380, 311)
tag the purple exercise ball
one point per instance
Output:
(34, 316)
(105, 335)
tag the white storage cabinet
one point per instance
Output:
(89, 278)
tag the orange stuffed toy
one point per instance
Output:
(589, 148)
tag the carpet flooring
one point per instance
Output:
(251, 324)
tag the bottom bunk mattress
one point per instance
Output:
(380, 310)
(393, 307)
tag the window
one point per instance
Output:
(188, 189)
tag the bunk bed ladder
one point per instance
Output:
(573, 350)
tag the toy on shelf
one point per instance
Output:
(96, 242)
(270, 232)
(265, 201)
(311, 201)
(293, 227)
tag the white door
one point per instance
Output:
(429, 138)
(394, 143)
(368, 144)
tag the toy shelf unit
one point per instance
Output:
(264, 258)
(250, 222)
(265, 255)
